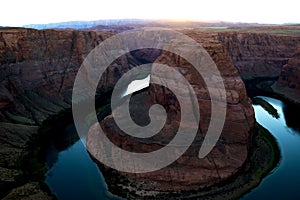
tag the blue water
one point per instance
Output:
(73, 175)
(284, 181)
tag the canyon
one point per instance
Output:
(269, 60)
(189, 172)
(38, 68)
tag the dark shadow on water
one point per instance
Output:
(266, 106)
(283, 181)
(291, 114)
(71, 173)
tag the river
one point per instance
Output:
(283, 182)
(73, 175)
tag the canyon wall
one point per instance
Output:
(265, 56)
(189, 172)
(38, 69)
(259, 54)
(288, 83)
(290, 72)
(37, 73)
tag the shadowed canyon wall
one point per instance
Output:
(38, 69)
(288, 83)
(265, 56)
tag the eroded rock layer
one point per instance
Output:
(266, 57)
(188, 172)
(288, 83)
(38, 69)
(259, 54)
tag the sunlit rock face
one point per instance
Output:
(189, 172)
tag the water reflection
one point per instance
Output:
(73, 175)
(266, 106)
(283, 182)
(71, 172)
(291, 114)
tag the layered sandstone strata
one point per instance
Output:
(271, 61)
(288, 83)
(37, 74)
(188, 172)
(38, 69)
(259, 54)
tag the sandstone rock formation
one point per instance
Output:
(38, 69)
(189, 172)
(267, 59)
(37, 74)
(288, 83)
(259, 54)
(289, 75)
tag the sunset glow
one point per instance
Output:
(18, 12)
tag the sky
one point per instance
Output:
(22, 12)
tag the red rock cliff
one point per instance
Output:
(189, 172)
(37, 74)
(288, 83)
(259, 54)
(38, 69)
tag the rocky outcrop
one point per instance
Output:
(288, 83)
(290, 73)
(188, 172)
(267, 62)
(28, 191)
(259, 54)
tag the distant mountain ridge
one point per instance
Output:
(87, 24)
(138, 22)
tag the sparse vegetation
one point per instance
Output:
(262, 159)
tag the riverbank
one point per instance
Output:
(267, 86)
(32, 162)
(283, 182)
(263, 157)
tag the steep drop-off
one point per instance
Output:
(262, 57)
(188, 172)
(288, 83)
(259, 54)
(37, 74)
(38, 69)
